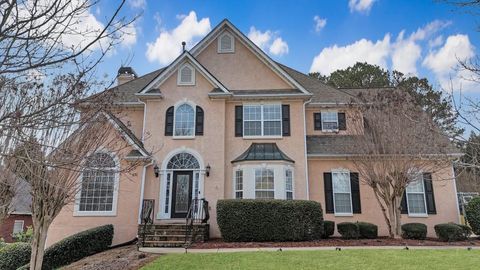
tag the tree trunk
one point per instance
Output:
(391, 216)
(384, 212)
(398, 216)
(38, 244)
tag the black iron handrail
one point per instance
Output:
(197, 214)
(148, 207)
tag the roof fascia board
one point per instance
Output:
(126, 135)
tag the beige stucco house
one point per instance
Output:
(224, 121)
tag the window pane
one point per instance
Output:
(252, 112)
(264, 184)
(184, 120)
(272, 128)
(341, 182)
(342, 203)
(238, 184)
(264, 195)
(289, 195)
(272, 112)
(329, 120)
(252, 128)
(239, 195)
(416, 203)
(288, 185)
(416, 186)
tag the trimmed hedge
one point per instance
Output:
(472, 212)
(13, 256)
(452, 232)
(269, 220)
(416, 231)
(328, 228)
(367, 230)
(348, 230)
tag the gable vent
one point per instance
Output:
(225, 43)
(186, 75)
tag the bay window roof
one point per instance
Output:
(263, 151)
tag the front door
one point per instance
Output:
(181, 193)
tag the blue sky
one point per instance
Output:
(417, 37)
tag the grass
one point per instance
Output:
(325, 259)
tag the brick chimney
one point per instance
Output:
(125, 74)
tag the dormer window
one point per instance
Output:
(226, 43)
(186, 75)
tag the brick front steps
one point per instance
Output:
(171, 235)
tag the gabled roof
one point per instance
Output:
(263, 151)
(226, 24)
(166, 73)
(129, 136)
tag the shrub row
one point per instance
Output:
(70, 249)
(355, 230)
(13, 256)
(269, 220)
(452, 232)
(328, 228)
(416, 231)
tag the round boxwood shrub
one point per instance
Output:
(348, 230)
(416, 231)
(13, 256)
(472, 212)
(269, 220)
(452, 232)
(328, 228)
(367, 230)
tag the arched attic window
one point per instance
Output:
(226, 43)
(186, 75)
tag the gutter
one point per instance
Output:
(305, 146)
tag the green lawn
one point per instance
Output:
(346, 259)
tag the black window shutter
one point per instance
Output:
(238, 121)
(327, 181)
(342, 121)
(403, 204)
(199, 119)
(317, 119)
(355, 189)
(169, 121)
(286, 120)
(427, 182)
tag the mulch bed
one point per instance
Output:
(335, 242)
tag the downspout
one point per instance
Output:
(456, 193)
(305, 146)
(142, 190)
(144, 119)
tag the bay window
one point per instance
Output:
(238, 184)
(288, 184)
(264, 184)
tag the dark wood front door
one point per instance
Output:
(181, 193)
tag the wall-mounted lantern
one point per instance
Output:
(156, 170)
(207, 170)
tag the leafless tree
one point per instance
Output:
(7, 191)
(49, 53)
(399, 141)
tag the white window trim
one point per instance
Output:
(329, 130)
(190, 83)
(18, 221)
(424, 200)
(255, 183)
(113, 212)
(219, 48)
(194, 107)
(261, 121)
(333, 190)
(293, 183)
(235, 190)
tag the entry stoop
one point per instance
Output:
(172, 235)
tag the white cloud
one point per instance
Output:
(362, 6)
(404, 53)
(340, 57)
(268, 40)
(435, 42)
(129, 37)
(168, 46)
(279, 47)
(319, 23)
(137, 3)
(445, 59)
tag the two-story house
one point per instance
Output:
(225, 121)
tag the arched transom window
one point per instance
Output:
(183, 161)
(98, 184)
(184, 120)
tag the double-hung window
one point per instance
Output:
(264, 184)
(262, 120)
(416, 197)
(18, 226)
(238, 184)
(342, 193)
(330, 120)
(288, 184)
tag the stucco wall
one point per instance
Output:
(443, 187)
(132, 118)
(241, 70)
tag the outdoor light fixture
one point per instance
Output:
(207, 170)
(156, 170)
